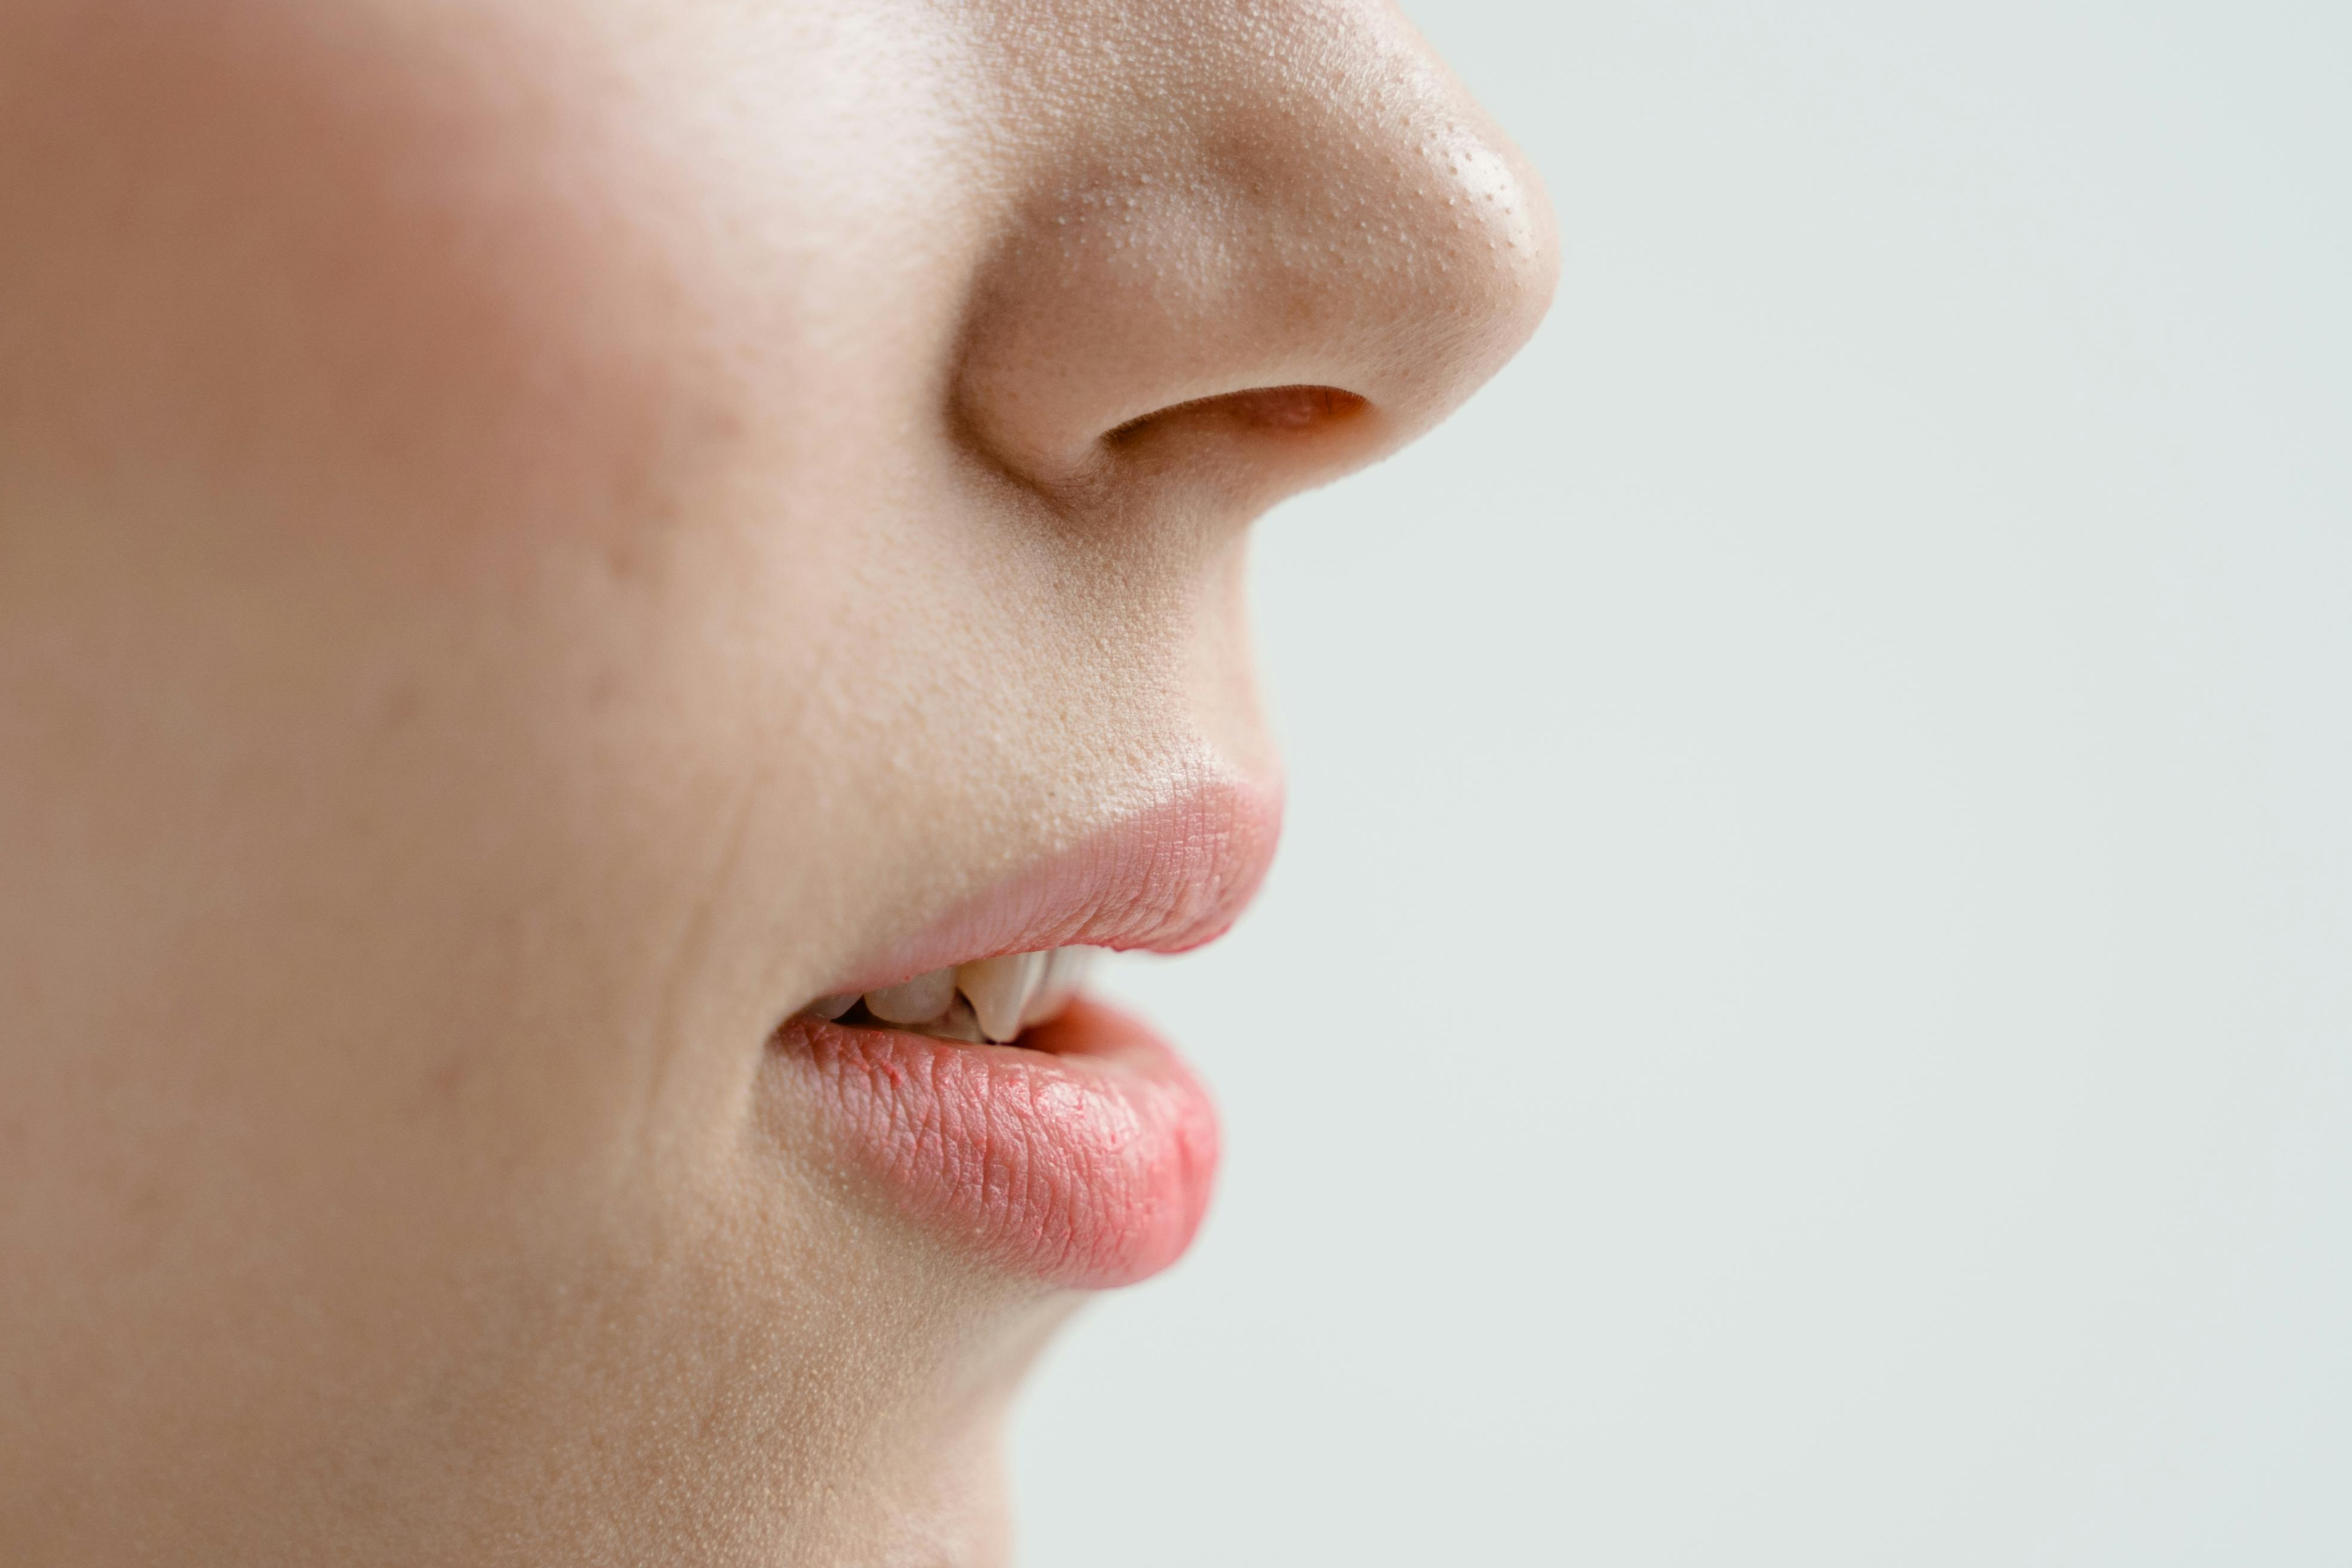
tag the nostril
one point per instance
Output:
(1269, 409)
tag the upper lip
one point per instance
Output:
(1164, 878)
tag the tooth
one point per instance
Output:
(958, 1023)
(917, 1001)
(828, 1009)
(1065, 970)
(1000, 988)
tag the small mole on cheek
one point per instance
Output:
(401, 705)
(439, 1089)
(604, 689)
(145, 1198)
(147, 1211)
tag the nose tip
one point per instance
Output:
(1270, 248)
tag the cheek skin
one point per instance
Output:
(335, 275)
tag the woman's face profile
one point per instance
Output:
(544, 550)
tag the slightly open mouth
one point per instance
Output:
(989, 1001)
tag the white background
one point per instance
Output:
(1805, 1012)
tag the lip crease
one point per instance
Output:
(1085, 1156)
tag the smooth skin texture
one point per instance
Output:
(533, 539)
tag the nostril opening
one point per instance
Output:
(1273, 409)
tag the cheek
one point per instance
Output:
(331, 343)
(411, 417)
(284, 267)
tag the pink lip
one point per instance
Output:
(1166, 878)
(1085, 1156)
(1085, 1161)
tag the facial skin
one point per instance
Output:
(535, 539)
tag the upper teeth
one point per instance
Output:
(989, 999)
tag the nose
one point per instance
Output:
(1247, 247)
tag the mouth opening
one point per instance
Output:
(997, 1001)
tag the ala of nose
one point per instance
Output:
(1263, 248)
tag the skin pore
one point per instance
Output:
(535, 540)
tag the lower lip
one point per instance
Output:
(1086, 1161)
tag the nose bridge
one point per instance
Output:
(1219, 197)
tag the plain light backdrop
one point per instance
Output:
(1804, 1015)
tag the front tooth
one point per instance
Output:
(917, 1001)
(1000, 988)
(958, 1023)
(828, 1009)
(1065, 970)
